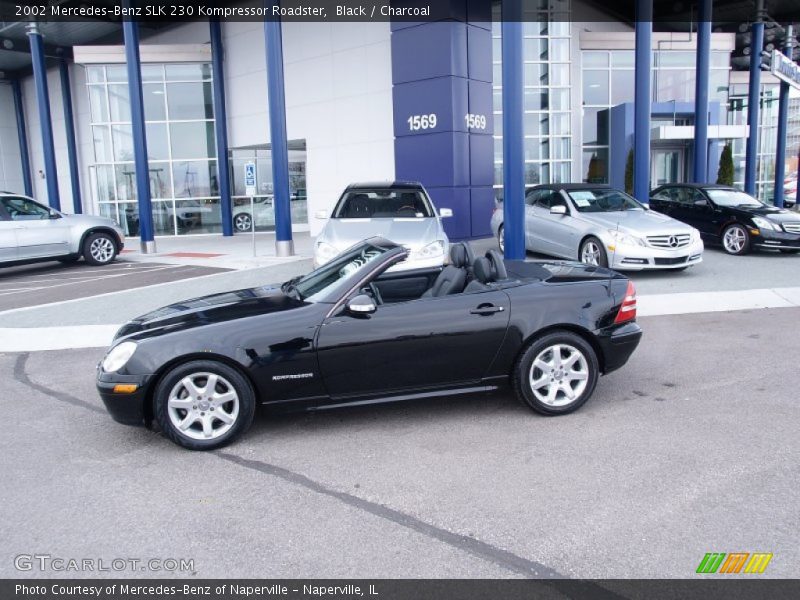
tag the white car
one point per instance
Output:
(30, 232)
(398, 211)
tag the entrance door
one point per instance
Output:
(666, 166)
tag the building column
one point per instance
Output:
(276, 92)
(783, 125)
(45, 123)
(513, 136)
(754, 101)
(642, 99)
(221, 128)
(19, 108)
(703, 63)
(69, 125)
(131, 31)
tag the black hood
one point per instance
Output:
(779, 215)
(215, 308)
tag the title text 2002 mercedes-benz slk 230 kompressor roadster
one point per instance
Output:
(353, 332)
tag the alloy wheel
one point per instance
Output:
(501, 239)
(102, 249)
(243, 222)
(203, 406)
(735, 239)
(559, 375)
(590, 253)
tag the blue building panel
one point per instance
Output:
(430, 50)
(479, 46)
(436, 159)
(481, 171)
(459, 226)
(481, 207)
(416, 102)
(480, 106)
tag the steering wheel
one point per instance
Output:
(407, 206)
(376, 293)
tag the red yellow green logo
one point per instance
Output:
(735, 562)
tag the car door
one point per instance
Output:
(8, 237)
(555, 233)
(664, 200)
(428, 343)
(532, 242)
(699, 212)
(40, 232)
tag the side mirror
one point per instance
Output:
(361, 305)
(321, 214)
(54, 214)
(700, 203)
(445, 212)
(558, 209)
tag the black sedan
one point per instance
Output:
(351, 332)
(727, 216)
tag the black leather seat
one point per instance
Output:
(453, 277)
(482, 269)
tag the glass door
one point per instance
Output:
(666, 166)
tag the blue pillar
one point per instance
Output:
(642, 97)
(701, 93)
(513, 140)
(753, 106)
(69, 125)
(277, 131)
(783, 123)
(221, 128)
(130, 29)
(23, 137)
(45, 124)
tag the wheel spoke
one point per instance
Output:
(223, 416)
(540, 382)
(571, 359)
(556, 356)
(211, 384)
(208, 431)
(187, 421)
(540, 364)
(568, 391)
(551, 393)
(220, 399)
(184, 403)
(577, 375)
(191, 388)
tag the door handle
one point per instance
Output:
(487, 309)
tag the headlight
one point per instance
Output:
(325, 252)
(432, 250)
(625, 238)
(118, 356)
(765, 224)
(695, 236)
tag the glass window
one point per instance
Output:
(561, 148)
(98, 104)
(559, 74)
(535, 99)
(559, 99)
(157, 144)
(537, 124)
(671, 58)
(536, 73)
(718, 85)
(122, 136)
(595, 59)
(104, 175)
(195, 179)
(152, 72)
(24, 209)
(561, 172)
(386, 204)
(154, 108)
(675, 84)
(497, 74)
(559, 50)
(160, 182)
(595, 126)
(164, 217)
(117, 72)
(190, 101)
(125, 181)
(101, 137)
(559, 123)
(535, 49)
(623, 58)
(120, 103)
(559, 28)
(95, 74)
(192, 140)
(720, 59)
(622, 86)
(595, 165)
(595, 87)
(188, 72)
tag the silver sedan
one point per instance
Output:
(31, 232)
(602, 226)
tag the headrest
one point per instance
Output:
(482, 269)
(458, 255)
(498, 266)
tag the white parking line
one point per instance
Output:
(93, 273)
(51, 286)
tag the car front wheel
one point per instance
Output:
(556, 374)
(593, 253)
(736, 240)
(99, 249)
(501, 239)
(203, 405)
(243, 222)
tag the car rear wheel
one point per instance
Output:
(736, 240)
(501, 239)
(203, 405)
(556, 374)
(99, 249)
(243, 222)
(593, 253)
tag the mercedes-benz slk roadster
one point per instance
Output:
(353, 332)
(599, 225)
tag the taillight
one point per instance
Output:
(627, 311)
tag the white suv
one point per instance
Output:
(30, 231)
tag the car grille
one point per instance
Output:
(670, 261)
(791, 227)
(677, 240)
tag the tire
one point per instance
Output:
(537, 366)
(194, 422)
(501, 239)
(789, 250)
(99, 249)
(736, 240)
(592, 246)
(242, 221)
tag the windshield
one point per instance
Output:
(732, 198)
(320, 282)
(383, 204)
(602, 200)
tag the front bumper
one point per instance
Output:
(125, 408)
(776, 239)
(618, 343)
(637, 258)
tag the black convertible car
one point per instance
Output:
(350, 332)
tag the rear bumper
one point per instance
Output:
(618, 343)
(125, 408)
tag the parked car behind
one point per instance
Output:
(399, 211)
(725, 215)
(599, 225)
(31, 232)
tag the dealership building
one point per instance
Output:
(367, 101)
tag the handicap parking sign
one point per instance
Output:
(250, 178)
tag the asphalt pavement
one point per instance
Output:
(691, 448)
